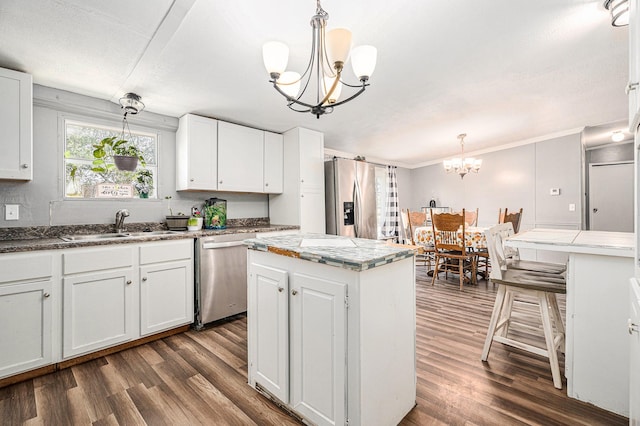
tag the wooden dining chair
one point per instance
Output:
(451, 251)
(512, 285)
(471, 217)
(514, 218)
(416, 219)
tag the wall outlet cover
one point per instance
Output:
(554, 191)
(11, 211)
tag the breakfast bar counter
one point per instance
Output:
(597, 342)
(331, 327)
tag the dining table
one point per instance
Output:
(473, 235)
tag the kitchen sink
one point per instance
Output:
(151, 233)
(93, 237)
(97, 237)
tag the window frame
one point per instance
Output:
(111, 125)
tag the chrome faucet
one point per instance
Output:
(120, 215)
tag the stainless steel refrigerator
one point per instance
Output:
(350, 191)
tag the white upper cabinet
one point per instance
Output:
(633, 88)
(273, 157)
(240, 158)
(196, 153)
(16, 109)
(301, 201)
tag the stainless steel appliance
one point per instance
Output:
(221, 277)
(350, 192)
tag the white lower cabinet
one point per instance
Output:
(114, 294)
(26, 313)
(98, 311)
(330, 358)
(98, 298)
(166, 286)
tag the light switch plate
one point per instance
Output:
(572, 207)
(11, 211)
(554, 191)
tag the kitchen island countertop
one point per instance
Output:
(357, 254)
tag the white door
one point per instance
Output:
(166, 296)
(318, 349)
(634, 354)
(268, 314)
(98, 311)
(611, 197)
(25, 331)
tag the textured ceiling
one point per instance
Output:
(502, 71)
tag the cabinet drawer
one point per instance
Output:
(89, 260)
(166, 251)
(16, 267)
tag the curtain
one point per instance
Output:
(391, 227)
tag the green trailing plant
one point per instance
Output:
(144, 181)
(107, 148)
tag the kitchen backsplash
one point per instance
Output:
(33, 232)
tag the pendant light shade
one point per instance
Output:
(338, 46)
(289, 83)
(275, 56)
(363, 60)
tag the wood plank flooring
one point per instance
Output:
(201, 377)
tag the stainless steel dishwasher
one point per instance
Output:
(221, 277)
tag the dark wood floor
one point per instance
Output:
(201, 377)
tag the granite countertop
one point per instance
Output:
(619, 244)
(14, 240)
(357, 254)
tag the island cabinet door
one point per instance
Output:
(318, 348)
(268, 314)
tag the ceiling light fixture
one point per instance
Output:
(131, 104)
(462, 165)
(328, 55)
(619, 12)
(617, 136)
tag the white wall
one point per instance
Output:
(41, 201)
(512, 178)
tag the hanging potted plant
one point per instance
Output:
(144, 183)
(125, 155)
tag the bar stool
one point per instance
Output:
(512, 283)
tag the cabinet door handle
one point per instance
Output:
(144, 278)
(630, 87)
(46, 295)
(301, 180)
(301, 195)
(280, 289)
(25, 166)
(266, 184)
(633, 328)
(220, 182)
(294, 292)
(191, 180)
(128, 282)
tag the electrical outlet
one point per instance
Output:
(554, 191)
(11, 211)
(572, 207)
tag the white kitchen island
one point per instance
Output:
(331, 327)
(597, 340)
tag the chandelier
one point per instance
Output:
(462, 165)
(329, 53)
(619, 12)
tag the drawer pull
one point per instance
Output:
(144, 278)
(294, 292)
(280, 289)
(128, 282)
(46, 295)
